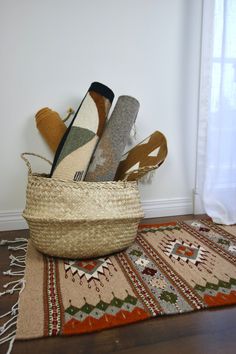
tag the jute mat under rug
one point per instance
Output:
(171, 268)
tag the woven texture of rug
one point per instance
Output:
(171, 269)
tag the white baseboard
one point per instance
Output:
(13, 220)
(167, 207)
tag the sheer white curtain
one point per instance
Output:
(217, 124)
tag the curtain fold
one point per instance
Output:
(217, 169)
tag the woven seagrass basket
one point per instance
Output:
(80, 219)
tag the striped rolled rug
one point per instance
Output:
(79, 142)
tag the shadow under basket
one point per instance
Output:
(80, 219)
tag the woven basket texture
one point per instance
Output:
(80, 219)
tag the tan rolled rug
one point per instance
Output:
(171, 268)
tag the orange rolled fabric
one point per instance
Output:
(51, 126)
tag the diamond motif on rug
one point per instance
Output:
(180, 250)
(90, 270)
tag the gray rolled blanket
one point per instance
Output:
(110, 148)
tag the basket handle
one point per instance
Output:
(28, 163)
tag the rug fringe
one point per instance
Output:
(12, 312)
(10, 272)
(7, 325)
(10, 338)
(133, 135)
(11, 287)
(17, 239)
(20, 247)
(20, 283)
(148, 177)
(134, 131)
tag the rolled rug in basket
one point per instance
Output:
(111, 146)
(143, 158)
(51, 126)
(78, 143)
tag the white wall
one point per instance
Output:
(51, 50)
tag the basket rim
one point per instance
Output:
(46, 177)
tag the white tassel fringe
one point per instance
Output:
(133, 135)
(148, 177)
(11, 287)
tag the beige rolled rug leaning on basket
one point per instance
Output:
(73, 219)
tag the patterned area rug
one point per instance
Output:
(170, 269)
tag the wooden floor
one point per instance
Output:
(201, 332)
